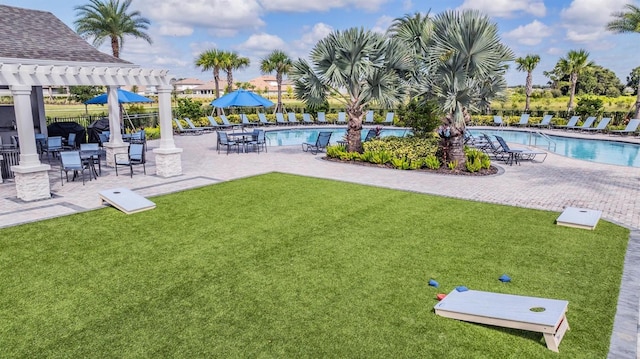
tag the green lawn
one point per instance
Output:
(291, 267)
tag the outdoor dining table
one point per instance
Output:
(91, 156)
(243, 137)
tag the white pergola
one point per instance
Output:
(24, 76)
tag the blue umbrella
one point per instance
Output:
(242, 98)
(123, 97)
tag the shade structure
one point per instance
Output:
(241, 98)
(123, 97)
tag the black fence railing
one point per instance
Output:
(10, 157)
(133, 120)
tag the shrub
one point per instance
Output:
(422, 116)
(400, 163)
(473, 166)
(382, 157)
(416, 164)
(335, 151)
(476, 159)
(412, 148)
(152, 133)
(432, 162)
(452, 165)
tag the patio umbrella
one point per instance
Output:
(241, 98)
(123, 97)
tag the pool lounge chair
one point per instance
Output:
(280, 119)
(388, 119)
(186, 131)
(306, 118)
(245, 120)
(216, 125)
(518, 154)
(263, 119)
(191, 125)
(342, 118)
(546, 122)
(586, 124)
(632, 127)
(369, 118)
(291, 116)
(572, 122)
(524, 120)
(497, 121)
(321, 143)
(322, 120)
(602, 126)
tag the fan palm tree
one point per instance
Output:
(528, 64)
(626, 22)
(415, 32)
(279, 62)
(213, 59)
(574, 64)
(465, 64)
(233, 61)
(357, 68)
(110, 19)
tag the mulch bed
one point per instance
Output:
(442, 170)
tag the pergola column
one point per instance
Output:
(115, 144)
(31, 176)
(168, 156)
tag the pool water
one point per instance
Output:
(299, 135)
(601, 151)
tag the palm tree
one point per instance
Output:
(576, 63)
(279, 62)
(212, 60)
(625, 22)
(464, 67)
(233, 61)
(414, 31)
(528, 64)
(357, 68)
(110, 19)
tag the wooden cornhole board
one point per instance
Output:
(126, 200)
(579, 218)
(510, 311)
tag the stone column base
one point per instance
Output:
(111, 149)
(32, 182)
(168, 162)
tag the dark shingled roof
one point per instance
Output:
(39, 35)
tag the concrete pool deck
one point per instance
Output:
(557, 183)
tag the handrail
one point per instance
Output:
(550, 142)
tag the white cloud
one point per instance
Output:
(530, 34)
(556, 51)
(407, 5)
(178, 30)
(382, 24)
(506, 8)
(309, 39)
(585, 20)
(320, 5)
(262, 43)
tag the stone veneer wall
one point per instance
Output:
(32, 186)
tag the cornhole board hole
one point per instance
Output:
(579, 218)
(546, 316)
(126, 200)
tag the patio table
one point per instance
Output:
(243, 137)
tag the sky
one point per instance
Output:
(182, 29)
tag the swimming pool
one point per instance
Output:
(601, 151)
(299, 135)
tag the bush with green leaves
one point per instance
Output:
(452, 165)
(476, 159)
(400, 163)
(589, 106)
(421, 115)
(188, 108)
(432, 162)
(411, 148)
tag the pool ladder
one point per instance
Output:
(550, 143)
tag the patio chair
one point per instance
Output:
(134, 157)
(226, 123)
(368, 119)
(632, 127)
(306, 118)
(71, 161)
(491, 148)
(321, 143)
(223, 140)
(201, 128)
(280, 119)
(263, 119)
(71, 142)
(292, 118)
(54, 146)
(216, 125)
(103, 137)
(259, 140)
(370, 135)
(342, 118)
(524, 120)
(244, 120)
(187, 131)
(470, 140)
(587, 124)
(572, 122)
(497, 121)
(546, 122)
(322, 120)
(91, 151)
(388, 119)
(519, 153)
(602, 126)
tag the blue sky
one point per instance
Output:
(181, 29)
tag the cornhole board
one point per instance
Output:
(546, 316)
(126, 200)
(579, 218)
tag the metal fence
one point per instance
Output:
(134, 120)
(10, 157)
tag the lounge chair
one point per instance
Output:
(134, 157)
(191, 125)
(322, 120)
(497, 121)
(306, 118)
(524, 120)
(572, 123)
(263, 119)
(546, 122)
(370, 135)
(71, 161)
(186, 131)
(632, 127)
(292, 118)
(216, 125)
(342, 118)
(280, 119)
(388, 119)
(321, 143)
(492, 148)
(225, 121)
(369, 118)
(223, 140)
(587, 124)
(477, 142)
(602, 126)
(244, 120)
(519, 153)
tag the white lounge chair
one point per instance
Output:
(546, 122)
(632, 127)
(602, 126)
(572, 122)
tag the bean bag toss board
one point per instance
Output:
(546, 316)
(579, 218)
(126, 200)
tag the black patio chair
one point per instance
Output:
(321, 143)
(134, 157)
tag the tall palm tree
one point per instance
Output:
(528, 64)
(465, 64)
(574, 64)
(233, 61)
(357, 68)
(415, 32)
(279, 62)
(625, 22)
(110, 19)
(212, 59)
